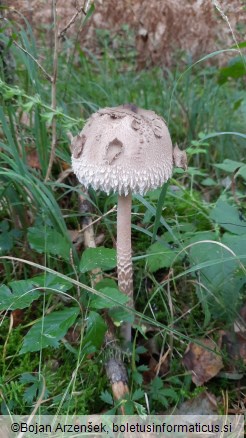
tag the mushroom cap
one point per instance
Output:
(123, 149)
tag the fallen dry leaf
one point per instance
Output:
(203, 404)
(203, 363)
(235, 346)
(18, 317)
(32, 158)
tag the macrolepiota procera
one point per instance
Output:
(125, 150)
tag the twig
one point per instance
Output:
(71, 22)
(75, 271)
(161, 361)
(99, 218)
(170, 303)
(46, 74)
(53, 93)
(11, 323)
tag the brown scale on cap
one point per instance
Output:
(77, 145)
(136, 124)
(179, 158)
(131, 107)
(113, 150)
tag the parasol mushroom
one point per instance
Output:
(125, 150)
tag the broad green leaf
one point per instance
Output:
(228, 217)
(7, 237)
(95, 330)
(178, 171)
(154, 195)
(140, 349)
(106, 397)
(4, 226)
(49, 330)
(139, 393)
(235, 69)
(202, 235)
(142, 368)
(118, 315)
(100, 257)
(229, 165)
(137, 377)
(242, 172)
(18, 295)
(48, 116)
(195, 172)
(190, 151)
(35, 389)
(159, 257)
(197, 144)
(237, 104)
(240, 45)
(6, 242)
(216, 283)
(170, 393)
(106, 282)
(102, 303)
(28, 378)
(48, 280)
(28, 106)
(208, 182)
(48, 240)
(31, 392)
(236, 243)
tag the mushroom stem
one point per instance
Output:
(124, 256)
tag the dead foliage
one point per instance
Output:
(203, 404)
(235, 346)
(204, 361)
(163, 29)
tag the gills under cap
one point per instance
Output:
(123, 149)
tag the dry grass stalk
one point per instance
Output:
(53, 92)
